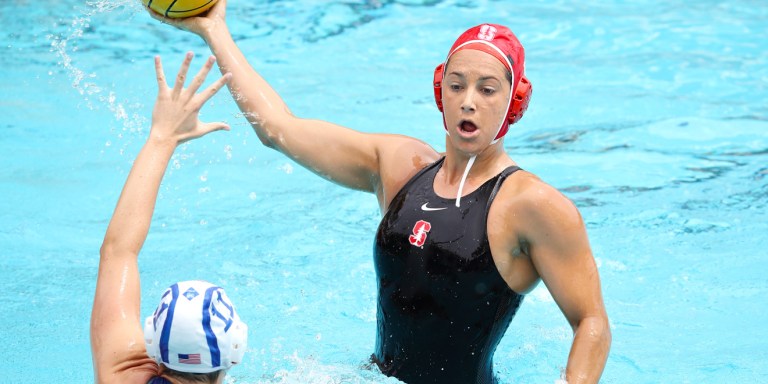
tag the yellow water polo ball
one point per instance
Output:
(179, 8)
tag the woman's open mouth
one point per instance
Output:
(466, 126)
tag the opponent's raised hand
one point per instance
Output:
(175, 115)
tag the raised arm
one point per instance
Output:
(350, 158)
(117, 342)
(560, 251)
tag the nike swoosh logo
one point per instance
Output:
(425, 208)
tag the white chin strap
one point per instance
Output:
(494, 141)
(463, 179)
(472, 160)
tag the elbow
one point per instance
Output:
(270, 136)
(108, 251)
(265, 135)
(114, 248)
(268, 140)
(107, 247)
(604, 336)
(270, 130)
(597, 329)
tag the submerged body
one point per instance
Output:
(443, 307)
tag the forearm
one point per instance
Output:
(132, 217)
(589, 352)
(262, 106)
(339, 154)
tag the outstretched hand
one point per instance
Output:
(198, 25)
(175, 116)
(115, 326)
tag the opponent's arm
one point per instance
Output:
(560, 251)
(117, 343)
(342, 155)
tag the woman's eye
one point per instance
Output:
(455, 87)
(488, 91)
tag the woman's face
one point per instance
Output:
(476, 94)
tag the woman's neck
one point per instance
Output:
(488, 163)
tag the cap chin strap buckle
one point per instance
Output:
(238, 342)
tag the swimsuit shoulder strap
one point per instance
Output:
(500, 180)
(415, 177)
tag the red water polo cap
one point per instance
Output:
(499, 42)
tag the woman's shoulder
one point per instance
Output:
(400, 158)
(131, 371)
(528, 195)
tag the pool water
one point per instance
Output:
(651, 116)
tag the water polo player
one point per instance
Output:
(195, 335)
(465, 233)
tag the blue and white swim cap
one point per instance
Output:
(195, 329)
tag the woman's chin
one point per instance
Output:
(466, 149)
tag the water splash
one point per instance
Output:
(65, 46)
(308, 370)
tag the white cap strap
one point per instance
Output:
(464, 178)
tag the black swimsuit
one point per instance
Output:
(443, 307)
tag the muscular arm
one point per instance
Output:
(342, 155)
(345, 156)
(561, 254)
(117, 343)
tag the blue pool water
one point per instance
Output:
(652, 116)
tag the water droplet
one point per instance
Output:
(287, 168)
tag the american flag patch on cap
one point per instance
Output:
(189, 358)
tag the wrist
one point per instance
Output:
(161, 143)
(214, 31)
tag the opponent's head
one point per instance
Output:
(195, 329)
(499, 42)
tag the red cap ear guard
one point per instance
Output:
(437, 83)
(518, 104)
(520, 100)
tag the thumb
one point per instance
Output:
(202, 130)
(207, 128)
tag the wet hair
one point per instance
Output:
(189, 377)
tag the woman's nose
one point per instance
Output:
(468, 104)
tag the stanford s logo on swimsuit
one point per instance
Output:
(419, 236)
